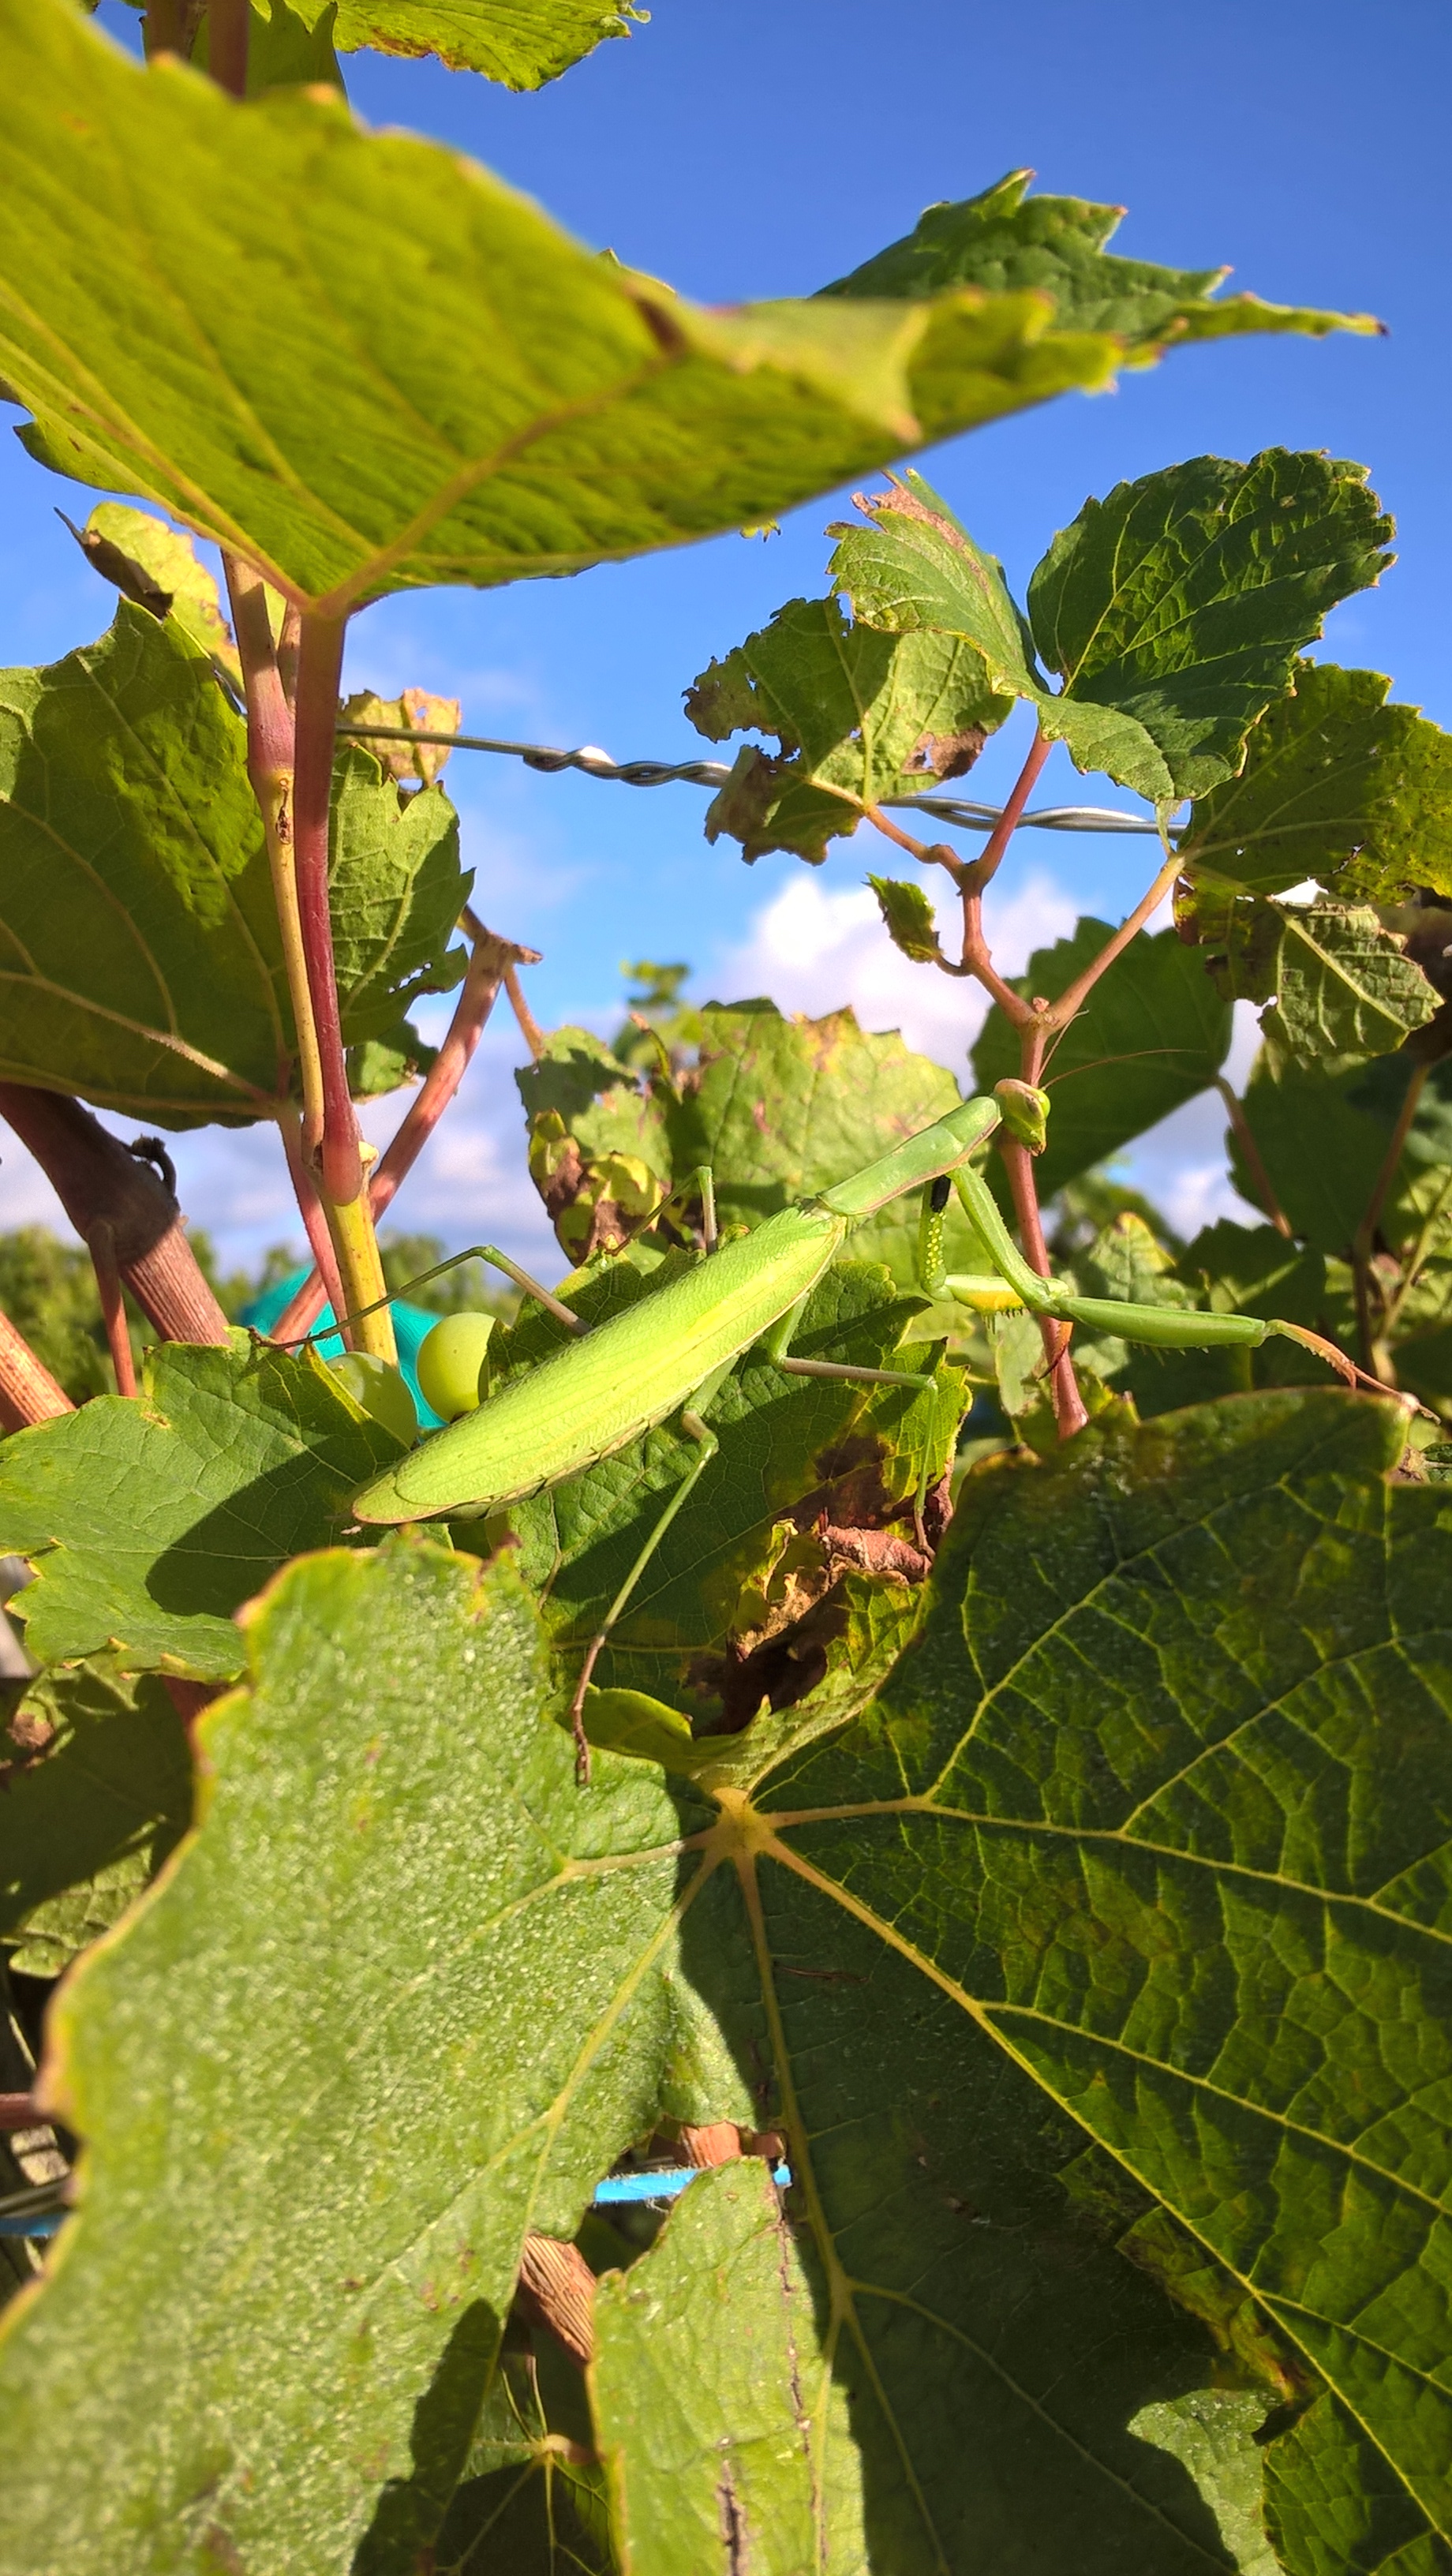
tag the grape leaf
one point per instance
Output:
(395, 890)
(859, 715)
(87, 1820)
(908, 918)
(1172, 610)
(424, 380)
(1094, 1975)
(1152, 1034)
(1340, 987)
(150, 562)
(139, 952)
(415, 708)
(138, 942)
(777, 1107)
(521, 43)
(408, 1980)
(546, 2516)
(1149, 1829)
(1336, 786)
(708, 2358)
(532, 2499)
(1214, 2431)
(150, 1519)
(1004, 239)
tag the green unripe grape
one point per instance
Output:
(451, 1364)
(381, 1391)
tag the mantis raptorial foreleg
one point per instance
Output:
(1014, 1283)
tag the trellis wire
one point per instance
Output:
(594, 763)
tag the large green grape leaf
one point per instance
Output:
(1172, 611)
(87, 1818)
(858, 715)
(150, 1519)
(1147, 1835)
(713, 2399)
(403, 1997)
(1096, 1976)
(1336, 786)
(1003, 238)
(139, 948)
(140, 959)
(367, 365)
(1153, 1032)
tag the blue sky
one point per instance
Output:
(760, 149)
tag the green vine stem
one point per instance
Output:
(336, 1155)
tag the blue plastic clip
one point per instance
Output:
(664, 2184)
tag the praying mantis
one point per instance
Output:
(670, 1352)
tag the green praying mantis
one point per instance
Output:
(670, 1352)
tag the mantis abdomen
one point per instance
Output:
(595, 1395)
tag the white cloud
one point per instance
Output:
(814, 949)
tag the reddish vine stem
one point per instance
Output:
(1037, 1022)
(529, 1027)
(228, 27)
(1028, 1018)
(101, 1244)
(170, 27)
(1072, 1001)
(271, 764)
(323, 1278)
(337, 1156)
(492, 958)
(980, 871)
(28, 1392)
(320, 663)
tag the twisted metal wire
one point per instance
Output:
(594, 763)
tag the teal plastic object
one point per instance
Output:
(410, 1325)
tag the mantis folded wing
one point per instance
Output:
(1011, 1282)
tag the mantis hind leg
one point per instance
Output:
(695, 1428)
